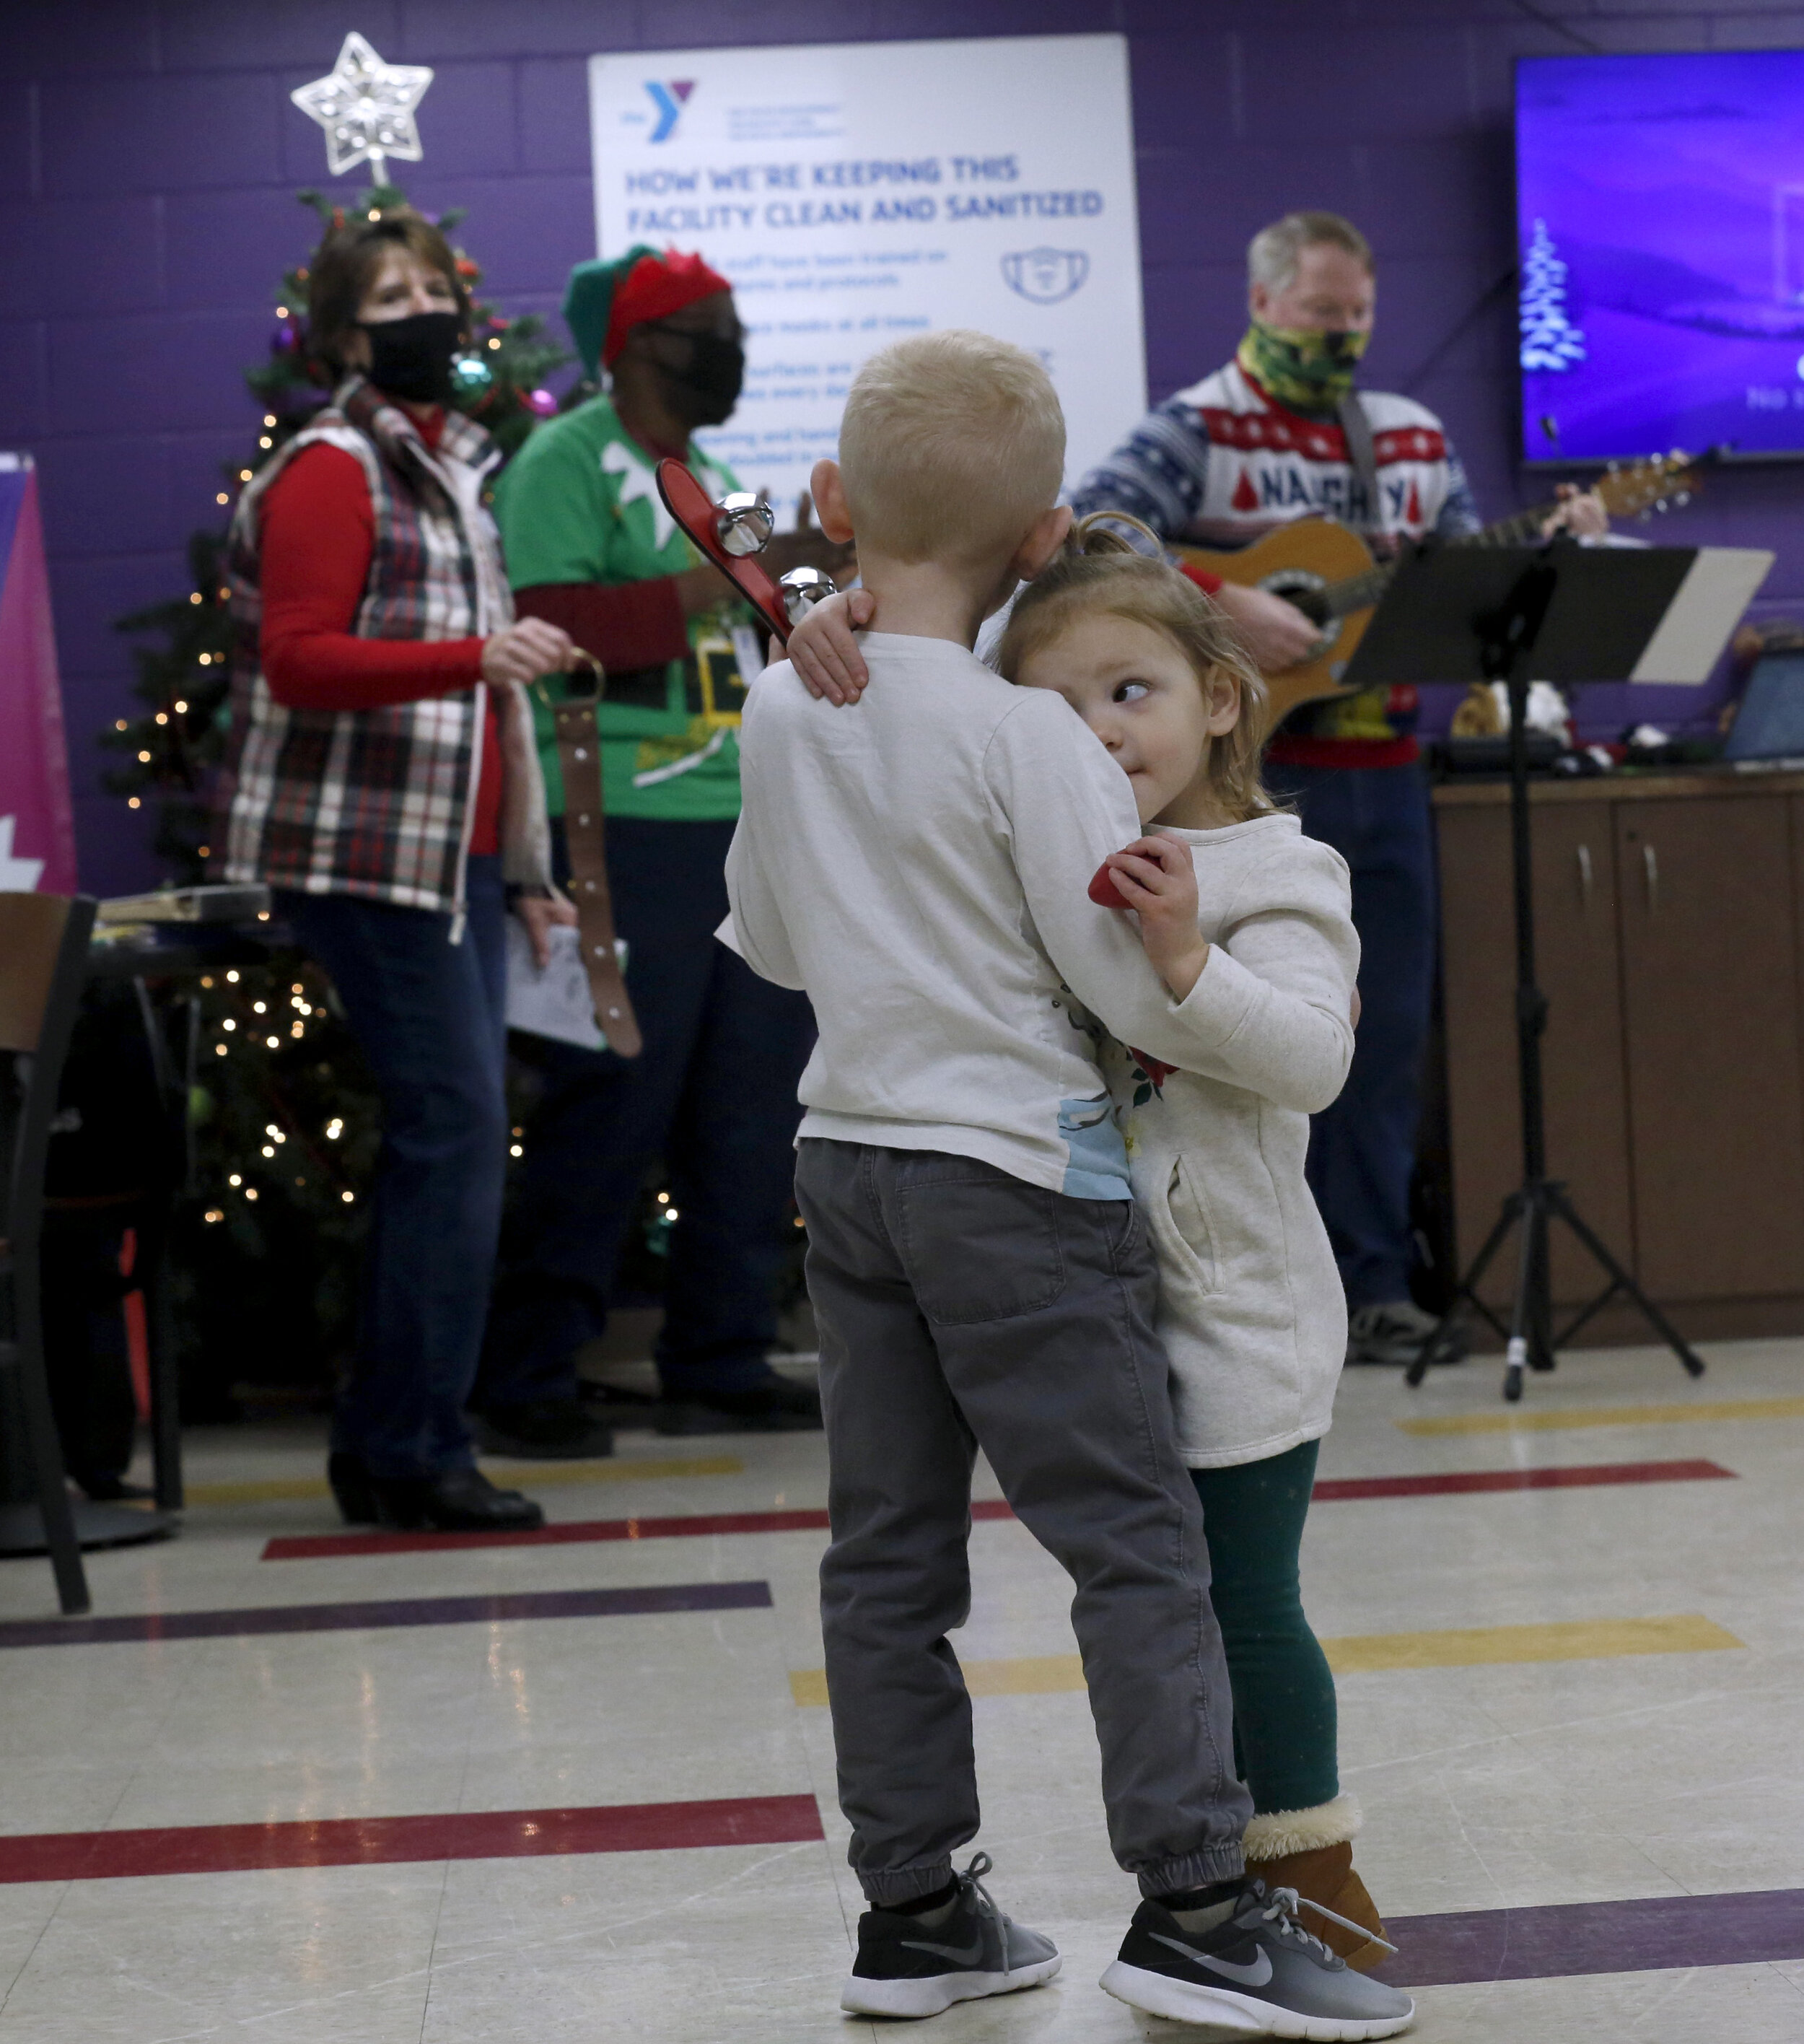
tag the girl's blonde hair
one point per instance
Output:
(1101, 570)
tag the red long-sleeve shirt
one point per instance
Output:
(319, 536)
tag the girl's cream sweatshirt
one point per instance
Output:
(1251, 1308)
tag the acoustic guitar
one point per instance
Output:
(1327, 571)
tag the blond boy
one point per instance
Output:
(919, 864)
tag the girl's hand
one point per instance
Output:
(539, 912)
(823, 652)
(528, 649)
(1157, 879)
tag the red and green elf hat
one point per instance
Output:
(605, 300)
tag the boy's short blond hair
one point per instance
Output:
(953, 444)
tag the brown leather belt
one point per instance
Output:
(579, 755)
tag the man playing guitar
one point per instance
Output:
(1259, 444)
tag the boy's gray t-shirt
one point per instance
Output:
(918, 862)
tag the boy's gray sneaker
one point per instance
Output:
(1257, 1971)
(920, 1965)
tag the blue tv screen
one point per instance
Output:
(1660, 212)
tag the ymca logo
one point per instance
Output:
(670, 101)
(1045, 275)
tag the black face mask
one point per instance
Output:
(712, 380)
(411, 358)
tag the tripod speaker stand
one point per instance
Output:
(1460, 613)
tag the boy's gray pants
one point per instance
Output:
(960, 1307)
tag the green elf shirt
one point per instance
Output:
(579, 503)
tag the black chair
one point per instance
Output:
(43, 951)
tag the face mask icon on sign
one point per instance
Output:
(1045, 275)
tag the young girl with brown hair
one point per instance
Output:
(1252, 1313)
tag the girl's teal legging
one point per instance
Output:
(1283, 1694)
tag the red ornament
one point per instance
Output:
(1104, 891)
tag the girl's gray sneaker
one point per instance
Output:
(921, 1965)
(1254, 1970)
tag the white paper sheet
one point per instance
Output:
(556, 1001)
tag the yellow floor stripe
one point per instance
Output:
(525, 1475)
(1587, 1640)
(1553, 1421)
(1584, 1639)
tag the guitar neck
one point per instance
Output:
(1520, 530)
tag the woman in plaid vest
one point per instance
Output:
(384, 781)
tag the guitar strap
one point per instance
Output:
(1360, 453)
(579, 755)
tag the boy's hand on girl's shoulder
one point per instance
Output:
(1156, 878)
(823, 652)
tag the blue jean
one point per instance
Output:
(430, 1017)
(713, 1094)
(1362, 1150)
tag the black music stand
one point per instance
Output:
(1571, 613)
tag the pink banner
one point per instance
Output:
(37, 828)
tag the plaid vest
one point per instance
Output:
(379, 802)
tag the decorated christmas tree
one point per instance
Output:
(1550, 341)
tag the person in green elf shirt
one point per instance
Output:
(590, 546)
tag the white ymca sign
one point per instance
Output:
(854, 192)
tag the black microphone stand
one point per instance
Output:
(1508, 636)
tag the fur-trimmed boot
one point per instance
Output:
(1311, 1850)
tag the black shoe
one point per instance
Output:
(550, 1430)
(350, 1482)
(102, 1487)
(921, 1965)
(619, 1397)
(461, 1500)
(780, 1405)
(1256, 1971)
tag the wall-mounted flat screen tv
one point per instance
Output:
(1661, 211)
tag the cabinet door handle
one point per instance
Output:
(1585, 875)
(1650, 865)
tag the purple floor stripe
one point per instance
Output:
(1651, 1934)
(385, 1611)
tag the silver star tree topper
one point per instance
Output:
(365, 107)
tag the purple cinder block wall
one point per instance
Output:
(149, 156)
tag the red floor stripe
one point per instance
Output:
(308, 1546)
(1333, 1489)
(305, 1546)
(314, 1546)
(741, 1820)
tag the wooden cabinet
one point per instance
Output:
(1587, 1112)
(1709, 984)
(1667, 915)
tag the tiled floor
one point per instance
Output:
(1648, 1764)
